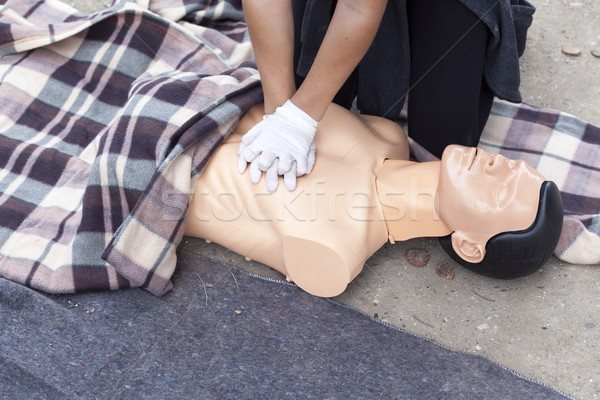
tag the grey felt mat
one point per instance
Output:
(222, 334)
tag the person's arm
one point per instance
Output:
(350, 33)
(283, 143)
(271, 28)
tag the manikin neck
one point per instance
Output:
(407, 193)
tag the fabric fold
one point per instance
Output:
(106, 120)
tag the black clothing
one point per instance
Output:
(449, 100)
(453, 55)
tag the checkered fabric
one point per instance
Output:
(105, 119)
(565, 150)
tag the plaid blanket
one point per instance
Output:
(565, 150)
(105, 120)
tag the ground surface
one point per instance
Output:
(546, 326)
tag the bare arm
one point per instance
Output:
(271, 29)
(350, 33)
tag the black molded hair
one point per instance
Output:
(511, 255)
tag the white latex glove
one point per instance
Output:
(281, 144)
(272, 177)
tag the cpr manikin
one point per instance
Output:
(363, 192)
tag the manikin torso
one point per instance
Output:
(361, 192)
(326, 228)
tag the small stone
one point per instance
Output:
(445, 270)
(571, 50)
(238, 312)
(417, 257)
(589, 325)
(595, 52)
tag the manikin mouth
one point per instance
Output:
(473, 156)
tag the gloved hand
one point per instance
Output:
(271, 175)
(281, 144)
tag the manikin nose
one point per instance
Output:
(492, 163)
(497, 163)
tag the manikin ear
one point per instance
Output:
(468, 249)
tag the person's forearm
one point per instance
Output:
(271, 28)
(350, 33)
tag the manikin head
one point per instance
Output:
(506, 219)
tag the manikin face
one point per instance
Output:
(481, 194)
